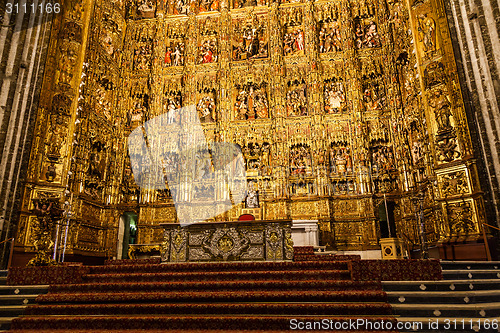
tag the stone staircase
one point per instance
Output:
(14, 299)
(466, 300)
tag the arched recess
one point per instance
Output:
(127, 234)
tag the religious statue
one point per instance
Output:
(252, 200)
(172, 106)
(47, 213)
(427, 32)
(136, 114)
(107, 42)
(417, 152)
(442, 109)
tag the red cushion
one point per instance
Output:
(246, 217)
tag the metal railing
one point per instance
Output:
(486, 245)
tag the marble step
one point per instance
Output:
(12, 310)
(444, 285)
(443, 297)
(5, 322)
(24, 290)
(448, 325)
(471, 274)
(426, 311)
(17, 299)
(468, 265)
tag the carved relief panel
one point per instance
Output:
(175, 44)
(330, 27)
(249, 37)
(208, 44)
(293, 31)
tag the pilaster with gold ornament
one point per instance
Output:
(51, 151)
(447, 124)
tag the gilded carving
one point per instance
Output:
(454, 183)
(324, 98)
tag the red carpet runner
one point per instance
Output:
(222, 297)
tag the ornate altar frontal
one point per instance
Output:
(227, 241)
(333, 103)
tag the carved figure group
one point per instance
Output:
(373, 96)
(367, 36)
(330, 39)
(185, 7)
(334, 97)
(293, 41)
(296, 101)
(249, 43)
(382, 159)
(142, 57)
(206, 109)
(251, 103)
(248, 3)
(146, 9)
(208, 5)
(207, 51)
(340, 160)
(174, 55)
(300, 159)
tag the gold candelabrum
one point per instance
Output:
(47, 212)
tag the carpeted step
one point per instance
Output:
(220, 276)
(190, 331)
(222, 267)
(149, 261)
(445, 285)
(326, 257)
(233, 322)
(303, 308)
(219, 296)
(217, 285)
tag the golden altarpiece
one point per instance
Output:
(335, 104)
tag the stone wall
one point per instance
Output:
(475, 30)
